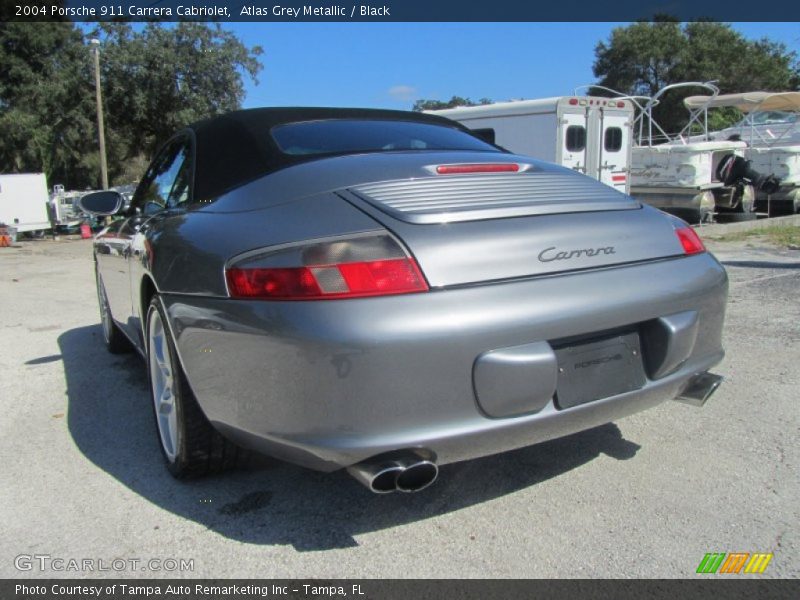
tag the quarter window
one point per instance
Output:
(179, 194)
(613, 139)
(576, 138)
(166, 183)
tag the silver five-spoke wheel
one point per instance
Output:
(163, 384)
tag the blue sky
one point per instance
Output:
(389, 65)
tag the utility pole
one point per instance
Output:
(100, 126)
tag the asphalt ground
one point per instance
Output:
(647, 496)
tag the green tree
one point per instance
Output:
(424, 104)
(45, 101)
(643, 57)
(155, 80)
(160, 79)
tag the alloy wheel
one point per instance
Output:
(162, 380)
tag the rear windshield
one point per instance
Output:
(343, 136)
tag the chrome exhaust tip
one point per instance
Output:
(417, 476)
(380, 477)
(699, 389)
(404, 471)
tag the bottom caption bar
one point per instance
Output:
(393, 589)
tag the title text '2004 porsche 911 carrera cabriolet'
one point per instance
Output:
(382, 291)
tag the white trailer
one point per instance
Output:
(592, 135)
(23, 201)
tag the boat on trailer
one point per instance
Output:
(681, 173)
(770, 130)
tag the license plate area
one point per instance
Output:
(598, 368)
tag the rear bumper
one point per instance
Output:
(329, 384)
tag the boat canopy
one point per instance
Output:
(747, 101)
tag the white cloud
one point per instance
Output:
(402, 92)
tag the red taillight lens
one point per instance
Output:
(395, 276)
(272, 283)
(477, 168)
(690, 240)
(353, 275)
(374, 278)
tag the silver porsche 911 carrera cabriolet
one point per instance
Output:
(382, 291)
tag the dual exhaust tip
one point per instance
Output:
(403, 472)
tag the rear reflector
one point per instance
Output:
(477, 168)
(690, 240)
(359, 267)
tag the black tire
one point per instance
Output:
(197, 448)
(115, 340)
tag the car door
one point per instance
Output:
(164, 196)
(149, 200)
(112, 270)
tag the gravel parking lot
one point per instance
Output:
(647, 496)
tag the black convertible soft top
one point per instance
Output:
(237, 147)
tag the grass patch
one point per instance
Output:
(783, 235)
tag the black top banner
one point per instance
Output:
(398, 10)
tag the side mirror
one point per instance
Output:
(103, 204)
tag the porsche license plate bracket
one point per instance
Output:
(599, 368)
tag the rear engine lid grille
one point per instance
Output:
(497, 195)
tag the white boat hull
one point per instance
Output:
(686, 166)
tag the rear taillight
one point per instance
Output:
(373, 265)
(689, 240)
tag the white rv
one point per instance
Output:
(23, 201)
(589, 134)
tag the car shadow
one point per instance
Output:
(270, 502)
